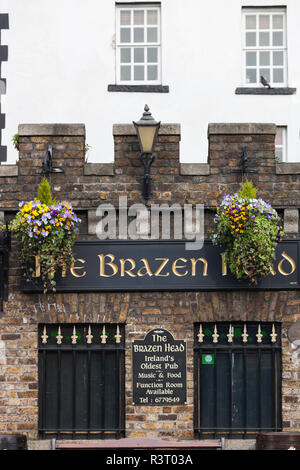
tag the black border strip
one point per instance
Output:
(139, 88)
(265, 91)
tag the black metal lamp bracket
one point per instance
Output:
(147, 159)
(244, 168)
(47, 164)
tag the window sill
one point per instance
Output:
(265, 91)
(139, 88)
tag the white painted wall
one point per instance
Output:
(61, 59)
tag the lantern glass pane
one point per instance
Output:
(147, 134)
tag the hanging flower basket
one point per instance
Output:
(249, 229)
(47, 233)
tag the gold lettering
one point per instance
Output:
(127, 271)
(194, 263)
(110, 263)
(146, 267)
(175, 267)
(74, 268)
(289, 260)
(224, 266)
(161, 267)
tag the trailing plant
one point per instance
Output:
(87, 148)
(249, 229)
(47, 232)
(2, 227)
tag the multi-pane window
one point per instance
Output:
(81, 381)
(280, 144)
(264, 47)
(238, 378)
(138, 44)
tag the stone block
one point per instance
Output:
(288, 168)
(194, 169)
(129, 129)
(99, 169)
(51, 129)
(241, 128)
(8, 170)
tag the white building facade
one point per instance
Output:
(193, 62)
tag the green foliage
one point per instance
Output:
(2, 227)
(44, 192)
(249, 229)
(247, 191)
(15, 141)
(87, 148)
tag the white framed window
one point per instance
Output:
(264, 46)
(138, 44)
(281, 144)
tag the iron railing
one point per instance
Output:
(240, 381)
(81, 381)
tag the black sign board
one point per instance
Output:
(159, 369)
(164, 265)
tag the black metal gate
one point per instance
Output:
(237, 379)
(81, 381)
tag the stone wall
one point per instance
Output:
(86, 185)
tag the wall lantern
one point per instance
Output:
(147, 131)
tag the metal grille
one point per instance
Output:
(237, 379)
(81, 381)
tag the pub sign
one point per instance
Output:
(163, 265)
(159, 369)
